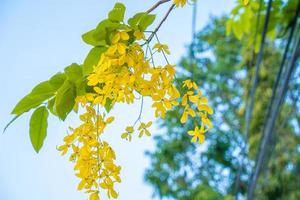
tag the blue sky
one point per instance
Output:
(40, 38)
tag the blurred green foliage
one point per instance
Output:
(223, 67)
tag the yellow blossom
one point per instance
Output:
(143, 128)
(198, 134)
(162, 47)
(189, 84)
(139, 35)
(128, 133)
(120, 36)
(180, 2)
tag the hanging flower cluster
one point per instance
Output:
(120, 68)
(196, 105)
(94, 159)
(123, 74)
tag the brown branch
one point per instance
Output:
(161, 22)
(156, 5)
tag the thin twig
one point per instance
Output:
(161, 22)
(163, 52)
(141, 111)
(152, 59)
(156, 5)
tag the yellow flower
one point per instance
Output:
(94, 196)
(190, 84)
(246, 2)
(162, 47)
(139, 35)
(143, 128)
(108, 185)
(180, 2)
(128, 133)
(120, 36)
(205, 120)
(187, 111)
(63, 149)
(109, 120)
(204, 107)
(198, 134)
(117, 48)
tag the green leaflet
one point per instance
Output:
(65, 99)
(74, 73)
(51, 106)
(141, 21)
(229, 26)
(100, 35)
(105, 28)
(92, 59)
(38, 95)
(117, 13)
(91, 38)
(57, 80)
(146, 21)
(10, 122)
(238, 29)
(134, 21)
(108, 105)
(38, 127)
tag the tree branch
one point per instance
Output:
(161, 22)
(156, 5)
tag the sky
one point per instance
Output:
(40, 38)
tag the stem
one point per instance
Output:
(161, 22)
(163, 52)
(152, 60)
(98, 150)
(156, 5)
(141, 111)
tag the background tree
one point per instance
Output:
(181, 170)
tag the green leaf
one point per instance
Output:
(117, 13)
(146, 21)
(238, 29)
(51, 106)
(141, 21)
(105, 27)
(236, 9)
(38, 127)
(108, 105)
(38, 95)
(92, 59)
(228, 26)
(257, 44)
(99, 36)
(57, 80)
(81, 88)
(74, 73)
(90, 38)
(9, 123)
(134, 21)
(65, 99)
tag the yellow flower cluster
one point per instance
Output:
(93, 158)
(122, 75)
(123, 72)
(196, 105)
(143, 130)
